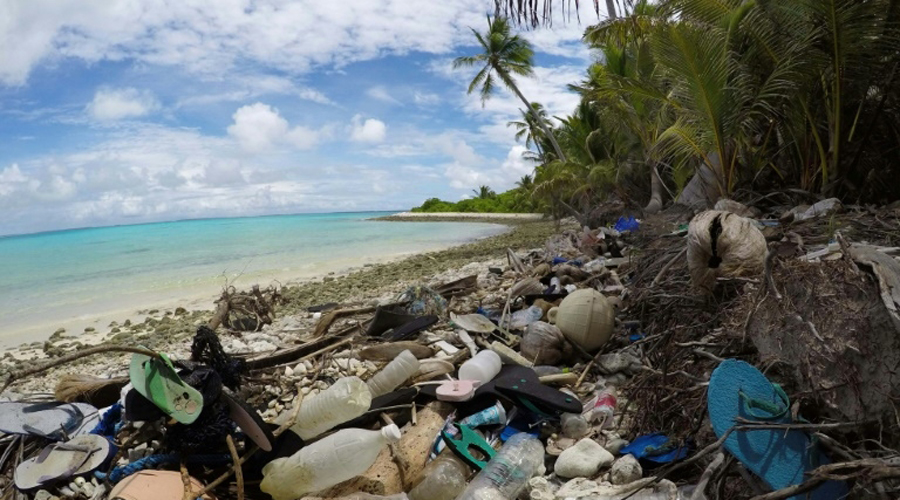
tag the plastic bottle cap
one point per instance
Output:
(391, 433)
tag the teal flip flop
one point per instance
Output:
(157, 380)
(738, 389)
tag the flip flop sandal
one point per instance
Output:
(249, 421)
(409, 329)
(157, 380)
(523, 388)
(780, 457)
(60, 461)
(154, 485)
(385, 320)
(56, 421)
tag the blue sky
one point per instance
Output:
(147, 110)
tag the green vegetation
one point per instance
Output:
(693, 100)
(515, 200)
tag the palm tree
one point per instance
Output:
(484, 193)
(534, 13)
(529, 130)
(504, 55)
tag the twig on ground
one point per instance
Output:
(665, 268)
(238, 472)
(402, 466)
(27, 372)
(770, 281)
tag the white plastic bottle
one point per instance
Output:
(345, 400)
(505, 476)
(404, 366)
(345, 454)
(483, 367)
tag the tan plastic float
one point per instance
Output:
(585, 317)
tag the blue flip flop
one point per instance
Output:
(738, 389)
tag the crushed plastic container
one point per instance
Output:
(325, 463)
(404, 366)
(347, 399)
(521, 319)
(506, 475)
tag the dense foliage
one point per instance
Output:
(694, 100)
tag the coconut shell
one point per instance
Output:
(544, 344)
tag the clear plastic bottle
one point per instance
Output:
(483, 367)
(345, 454)
(396, 372)
(521, 319)
(506, 475)
(442, 479)
(345, 400)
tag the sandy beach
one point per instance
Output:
(170, 328)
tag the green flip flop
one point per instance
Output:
(157, 380)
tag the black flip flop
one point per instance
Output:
(385, 320)
(407, 330)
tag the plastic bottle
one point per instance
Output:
(604, 408)
(506, 475)
(395, 373)
(325, 463)
(483, 367)
(442, 479)
(520, 319)
(347, 399)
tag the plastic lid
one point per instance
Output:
(391, 433)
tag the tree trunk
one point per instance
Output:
(540, 122)
(656, 202)
(611, 9)
(702, 191)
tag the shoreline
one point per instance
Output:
(101, 314)
(171, 330)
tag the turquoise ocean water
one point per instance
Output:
(80, 277)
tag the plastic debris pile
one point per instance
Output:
(652, 359)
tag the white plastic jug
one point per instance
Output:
(345, 454)
(483, 367)
(399, 370)
(345, 400)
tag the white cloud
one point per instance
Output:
(425, 98)
(211, 36)
(471, 175)
(145, 172)
(379, 92)
(116, 104)
(369, 130)
(259, 127)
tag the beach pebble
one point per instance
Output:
(288, 371)
(584, 459)
(44, 495)
(625, 470)
(614, 445)
(300, 369)
(237, 346)
(262, 345)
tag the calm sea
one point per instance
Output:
(85, 276)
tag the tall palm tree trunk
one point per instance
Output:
(537, 118)
(611, 9)
(656, 202)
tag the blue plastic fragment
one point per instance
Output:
(626, 224)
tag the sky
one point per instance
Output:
(148, 110)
